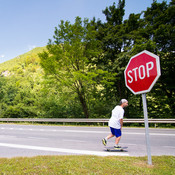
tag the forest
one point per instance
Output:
(80, 73)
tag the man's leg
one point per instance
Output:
(109, 136)
(117, 140)
(118, 137)
(104, 141)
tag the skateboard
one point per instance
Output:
(112, 149)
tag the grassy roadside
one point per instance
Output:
(92, 165)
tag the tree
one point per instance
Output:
(67, 60)
(152, 30)
(158, 36)
(111, 36)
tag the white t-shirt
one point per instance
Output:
(117, 114)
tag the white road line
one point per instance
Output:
(85, 131)
(161, 134)
(132, 144)
(70, 151)
(67, 140)
(38, 138)
(169, 147)
(80, 131)
(57, 130)
(153, 134)
(7, 136)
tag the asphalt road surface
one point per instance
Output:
(33, 140)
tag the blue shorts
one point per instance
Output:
(116, 132)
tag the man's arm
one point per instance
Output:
(121, 123)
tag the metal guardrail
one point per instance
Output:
(82, 120)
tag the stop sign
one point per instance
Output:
(142, 72)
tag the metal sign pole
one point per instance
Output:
(146, 128)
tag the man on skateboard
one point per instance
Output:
(116, 123)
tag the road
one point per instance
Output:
(33, 140)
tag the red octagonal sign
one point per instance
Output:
(142, 72)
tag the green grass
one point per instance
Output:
(92, 165)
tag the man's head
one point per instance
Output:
(123, 103)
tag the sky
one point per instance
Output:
(26, 24)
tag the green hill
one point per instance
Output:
(25, 62)
(25, 91)
(22, 86)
